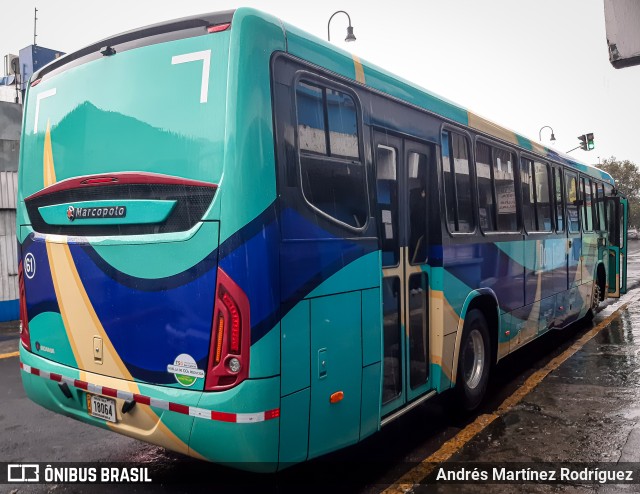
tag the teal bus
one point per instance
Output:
(244, 244)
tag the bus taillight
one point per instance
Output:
(218, 28)
(230, 336)
(24, 320)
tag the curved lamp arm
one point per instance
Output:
(350, 36)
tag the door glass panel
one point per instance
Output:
(611, 215)
(417, 185)
(586, 194)
(387, 190)
(572, 208)
(601, 209)
(559, 200)
(418, 335)
(392, 384)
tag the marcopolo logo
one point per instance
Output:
(105, 212)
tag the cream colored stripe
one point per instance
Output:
(484, 125)
(359, 70)
(82, 324)
(49, 171)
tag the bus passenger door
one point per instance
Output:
(401, 170)
(574, 236)
(617, 214)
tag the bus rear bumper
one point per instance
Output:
(238, 427)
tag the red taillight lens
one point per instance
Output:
(24, 319)
(234, 312)
(230, 336)
(219, 28)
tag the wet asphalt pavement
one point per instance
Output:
(588, 409)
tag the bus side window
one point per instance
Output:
(557, 174)
(332, 172)
(526, 183)
(486, 202)
(587, 223)
(572, 207)
(543, 196)
(536, 196)
(601, 207)
(594, 205)
(457, 183)
(504, 177)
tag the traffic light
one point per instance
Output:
(583, 142)
(586, 142)
(590, 144)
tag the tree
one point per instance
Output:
(627, 177)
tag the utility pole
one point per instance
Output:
(35, 22)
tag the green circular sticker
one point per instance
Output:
(185, 370)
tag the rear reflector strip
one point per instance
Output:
(239, 418)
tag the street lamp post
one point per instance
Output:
(350, 36)
(553, 137)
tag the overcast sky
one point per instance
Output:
(523, 64)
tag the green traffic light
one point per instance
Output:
(590, 143)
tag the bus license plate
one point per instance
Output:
(101, 407)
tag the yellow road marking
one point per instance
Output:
(457, 442)
(9, 355)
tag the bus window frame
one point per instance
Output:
(516, 178)
(472, 177)
(600, 190)
(534, 200)
(568, 173)
(556, 167)
(585, 180)
(313, 78)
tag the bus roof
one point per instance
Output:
(383, 81)
(185, 27)
(342, 62)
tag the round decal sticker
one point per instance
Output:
(29, 265)
(185, 370)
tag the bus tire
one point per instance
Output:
(474, 361)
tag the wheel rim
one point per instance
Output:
(473, 359)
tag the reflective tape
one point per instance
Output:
(240, 418)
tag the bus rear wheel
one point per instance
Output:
(474, 361)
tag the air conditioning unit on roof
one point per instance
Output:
(11, 64)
